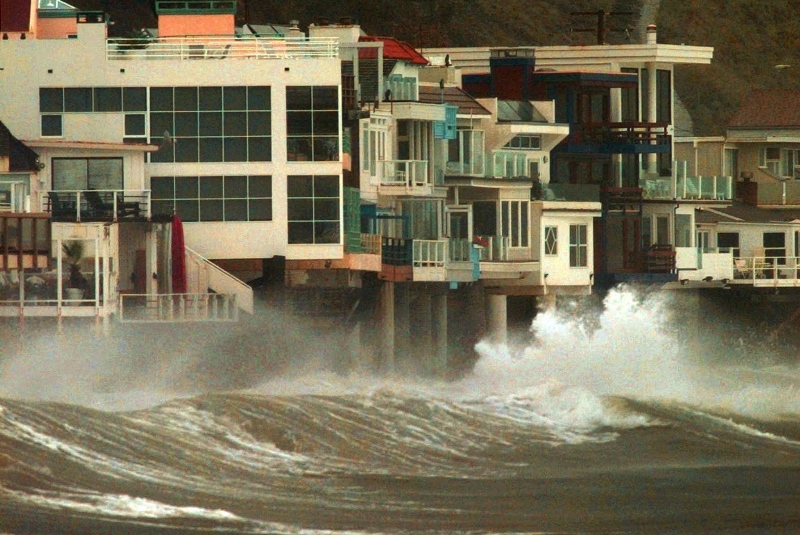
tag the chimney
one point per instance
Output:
(651, 34)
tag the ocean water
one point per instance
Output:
(599, 422)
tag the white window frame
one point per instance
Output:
(578, 248)
(517, 220)
(550, 246)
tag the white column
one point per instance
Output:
(497, 317)
(652, 159)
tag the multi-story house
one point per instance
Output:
(618, 102)
(761, 149)
(238, 137)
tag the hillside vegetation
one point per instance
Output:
(749, 38)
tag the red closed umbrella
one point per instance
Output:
(178, 257)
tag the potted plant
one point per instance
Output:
(76, 286)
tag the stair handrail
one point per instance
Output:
(244, 293)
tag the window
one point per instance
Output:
(524, 142)
(683, 230)
(775, 246)
(211, 124)
(313, 209)
(52, 126)
(728, 242)
(213, 198)
(465, 153)
(79, 174)
(630, 99)
(515, 222)
(663, 96)
(373, 144)
(312, 123)
(770, 158)
(551, 241)
(578, 247)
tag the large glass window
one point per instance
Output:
(683, 230)
(515, 222)
(79, 174)
(663, 96)
(630, 99)
(313, 204)
(211, 124)
(775, 246)
(312, 123)
(728, 242)
(466, 153)
(213, 198)
(578, 246)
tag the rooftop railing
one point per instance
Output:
(221, 47)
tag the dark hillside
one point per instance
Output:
(750, 38)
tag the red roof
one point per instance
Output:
(763, 109)
(15, 15)
(392, 49)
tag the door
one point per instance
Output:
(459, 229)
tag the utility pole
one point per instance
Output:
(601, 23)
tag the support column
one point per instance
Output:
(439, 361)
(423, 327)
(497, 317)
(386, 355)
(401, 321)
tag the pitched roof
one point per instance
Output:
(452, 95)
(745, 213)
(392, 49)
(15, 16)
(764, 109)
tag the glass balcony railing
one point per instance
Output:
(571, 192)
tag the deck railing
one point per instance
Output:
(493, 248)
(96, 205)
(620, 133)
(781, 270)
(430, 253)
(221, 47)
(175, 308)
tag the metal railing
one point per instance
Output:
(96, 205)
(430, 253)
(221, 47)
(620, 133)
(218, 280)
(176, 308)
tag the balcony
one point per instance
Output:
(97, 205)
(704, 188)
(493, 248)
(622, 200)
(406, 177)
(213, 47)
(430, 260)
(619, 138)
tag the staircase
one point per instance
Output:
(203, 275)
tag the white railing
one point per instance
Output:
(767, 270)
(202, 275)
(460, 250)
(166, 308)
(405, 173)
(430, 253)
(221, 47)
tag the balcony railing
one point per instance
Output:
(370, 244)
(97, 205)
(703, 188)
(396, 251)
(622, 133)
(167, 308)
(430, 253)
(460, 250)
(778, 193)
(571, 192)
(405, 173)
(211, 47)
(493, 248)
